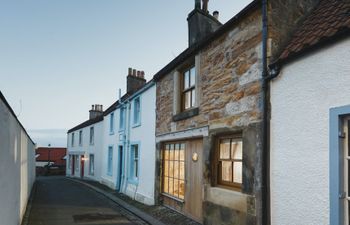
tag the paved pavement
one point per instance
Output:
(59, 201)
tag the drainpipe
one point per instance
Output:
(265, 190)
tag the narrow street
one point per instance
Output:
(59, 201)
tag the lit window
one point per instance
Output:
(92, 135)
(80, 137)
(173, 175)
(110, 160)
(137, 111)
(188, 88)
(229, 162)
(91, 164)
(111, 123)
(134, 170)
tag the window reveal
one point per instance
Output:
(174, 170)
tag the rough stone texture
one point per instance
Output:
(230, 101)
(231, 82)
(284, 16)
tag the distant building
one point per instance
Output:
(50, 156)
(84, 146)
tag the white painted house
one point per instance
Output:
(17, 166)
(129, 140)
(84, 147)
(310, 115)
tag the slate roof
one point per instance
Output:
(330, 18)
(86, 123)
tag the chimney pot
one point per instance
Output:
(134, 72)
(92, 107)
(138, 73)
(129, 71)
(216, 15)
(143, 74)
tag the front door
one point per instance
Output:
(182, 177)
(82, 166)
(193, 195)
(73, 165)
(120, 167)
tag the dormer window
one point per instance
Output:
(189, 88)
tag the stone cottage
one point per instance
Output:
(210, 114)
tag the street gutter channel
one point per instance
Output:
(142, 215)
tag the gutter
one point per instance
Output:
(265, 165)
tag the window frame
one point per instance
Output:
(91, 164)
(190, 89)
(216, 165)
(111, 123)
(110, 160)
(92, 135)
(122, 115)
(72, 140)
(80, 137)
(135, 113)
(134, 173)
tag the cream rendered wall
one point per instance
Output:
(17, 168)
(301, 98)
(145, 136)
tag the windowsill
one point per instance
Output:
(109, 174)
(111, 133)
(136, 125)
(133, 181)
(186, 114)
(173, 197)
(92, 144)
(121, 131)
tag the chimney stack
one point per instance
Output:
(201, 23)
(96, 110)
(205, 6)
(135, 80)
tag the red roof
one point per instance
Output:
(56, 155)
(328, 19)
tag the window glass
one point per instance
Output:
(137, 113)
(192, 76)
(135, 161)
(226, 171)
(92, 135)
(225, 149)
(188, 100)
(187, 80)
(111, 123)
(173, 172)
(237, 172)
(236, 148)
(193, 97)
(91, 164)
(110, 160)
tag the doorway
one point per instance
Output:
(181, 184)
(82, 166)
(120, 167)
(73, 165)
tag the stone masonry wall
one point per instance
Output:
(230, 72)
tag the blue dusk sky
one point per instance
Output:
(58, 57)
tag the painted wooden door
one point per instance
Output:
(194, 174)
(73, 165)
(82, 166)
